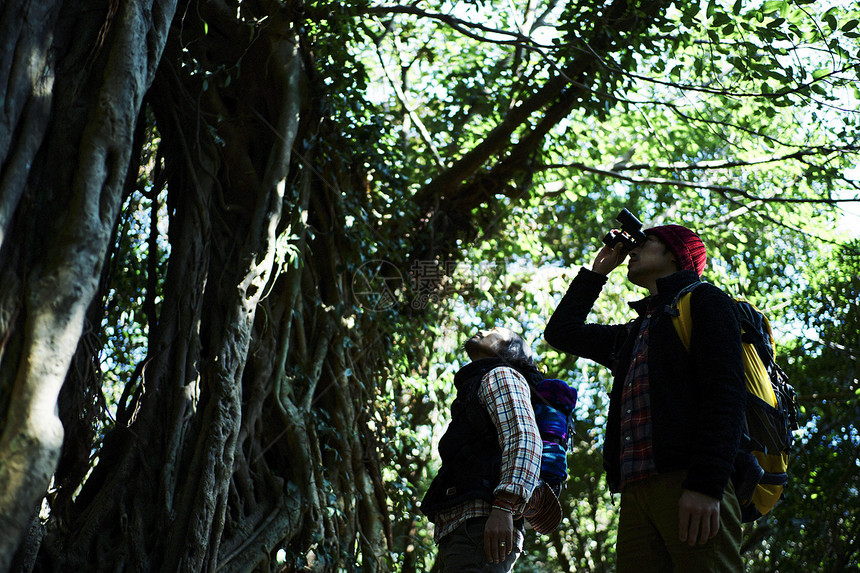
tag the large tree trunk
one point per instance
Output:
(245, 429)
(75, 80)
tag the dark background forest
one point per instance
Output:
(242, 243)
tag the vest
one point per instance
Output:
(470, 452)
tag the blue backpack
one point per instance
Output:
(553, 402)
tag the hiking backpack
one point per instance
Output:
(553, 402)
(760, 473)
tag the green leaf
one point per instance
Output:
(720, 18)
(820, 73)
(850, 25)
(772, 6)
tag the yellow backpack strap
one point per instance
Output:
(683, 322)
(681, 315)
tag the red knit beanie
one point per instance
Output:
(684, 244)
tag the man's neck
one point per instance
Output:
(652, 287)
(651, 283)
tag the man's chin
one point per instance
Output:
(476, 349)
(471, 345)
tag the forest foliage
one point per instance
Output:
(294, 264)
(723, 116)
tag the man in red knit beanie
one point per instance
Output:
(675, 416)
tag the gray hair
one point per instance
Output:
(519, 355)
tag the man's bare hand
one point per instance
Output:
(608, 258)
(498, 535)
(698, 517)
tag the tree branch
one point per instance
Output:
(463, 26)
(410, 111)
(692, 185)
(711, 91)
(728, 164)
(450, 196)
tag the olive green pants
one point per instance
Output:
(648, 531)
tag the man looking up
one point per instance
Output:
(675, 416)
(490, 457)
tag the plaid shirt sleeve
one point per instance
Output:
(508, 399)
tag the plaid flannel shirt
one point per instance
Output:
(507, 397)
(637, 447)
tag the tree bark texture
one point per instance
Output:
(75, 77)
(245, 430)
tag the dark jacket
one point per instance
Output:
(470, 452)
(697, 397)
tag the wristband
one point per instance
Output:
(504, 505)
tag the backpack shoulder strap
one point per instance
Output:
(680, 312)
